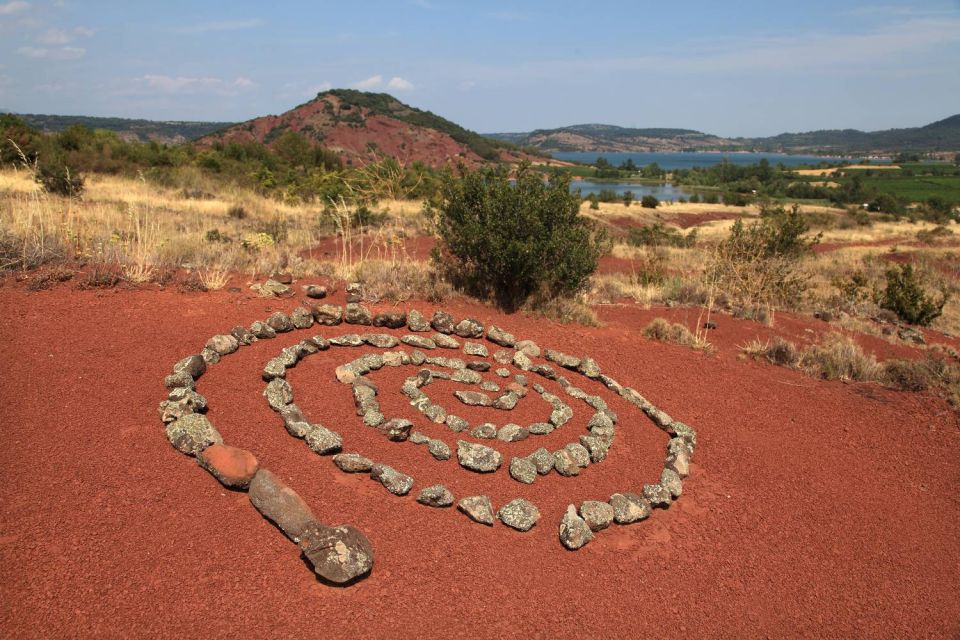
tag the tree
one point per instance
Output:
(649, 202)
(294, 149)
(905, 296)
(509, 241)
(627, 198)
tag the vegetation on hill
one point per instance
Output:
(169, 132)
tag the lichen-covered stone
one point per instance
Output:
(346, 340)
(486, 431)
(498, 336)
(435, 496)
(469, 328)
(579, 454)
(444, 341)
(519, 514)
(193, 365)
(275, 368)
(419, 342)
(278, 393)
(670, 480)
(529, 347)
(439, 449)
(507, 401)
(355, 313)
(540, 428)
(224, 344)
(523, 470)
(192, 433)
(564, 463)
(574, 531)
(338, 554)
(476, 349)
(302, 318)
(564, 360)
(589, 368)
(397, 483)
(416, 321)
(280, 322)
(314, 291)
(322, 441)
(262, 330)
(396, 429)
(477, 508)
(442, 322)
(598, 515)
(328, 314)
(629, 508)
(473, 398)
(390, 319)
(512, 433)
(352, 463)
(657, 495)
(597, 447)
(478, 457)
(243, 335)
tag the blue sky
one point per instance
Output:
(745, 68)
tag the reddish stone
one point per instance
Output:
(233, 467)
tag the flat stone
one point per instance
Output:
(397, 483)
(473, 398)
(486, 431)
(477, 508)
(302, 318)
(243, 335)
(346, 340)
(476, 349)
(579, 454)
(322, 441)
(519, 514)
(564, 463)
(179, 380)
(629, 508)
(528, 347)
(280, 504)
(507, 401)
(498, 336)
(545, 371)
(418, 341)
(442, 322)
(439, 449)
(262, 330)
(522, 361)
(444, 341)
(355, 313)
(469, 328)
(416, 321)
(478, 365)
(193, 365)
(597, 447)
(589, 368)
(512, 433)
(328, 314)
(338, 554)
(280, 322)
(314, 291)
(224, 344)
(657, 495)
(466, 376)
(278, 393)
(562, 359)
(233, 467)
(396, 429)
(352, 463)
(502, 372)
(192, 433)
(503, 357)
(670, 481)
(456, 423)
(380, 340)
(390, 319)
(598, 515)
(435, 496)
(523, 470)
(540, 428)
(574, 531)
(478, 457)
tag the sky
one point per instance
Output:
(733, 69)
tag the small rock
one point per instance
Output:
(542, 460)
(528, 347)
(657, 495)
(478, 457)
(280, 322)
(523, 470)
(629, 508)
(456, 423)
(280, 504)
(598, 515)
(512, 433)
(574, 531)
(589, 368)
(438, 449)
(564, 463)
(486, 431)
(272, 287)
(179, 380)
(416, 321)
(579, 454)
(380, 340)
(444, 341)
(278, 393)
(473, 398)
(338, 554)
(209, 355)
(597, 446)
(503, 357)
(519, 514)
(522, 361)
(346, 340)
(322, 441)
(478, 365)
(193, 433)
(435, 496)
(302, 318)
(397, 483)
(357, 314)
(354, 291)
(314, 291)
(442, 322)
(502, 372)
(498, 336)
(396, 429)
(284, 277)
(224, 344)
(477, 508)
(233, 467)
(328, 314)
(562, 359)
(540, 428)
(468, 328)
(418, 438)
(670, 480)
(418, 341)
(390, 319)
(352, 463)
(262, 330)
(476, 349)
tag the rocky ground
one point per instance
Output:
(816, 509)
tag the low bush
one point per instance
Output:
(660, 235)
(663, 330)
(59, 180)
(904, 295)
(649, 202)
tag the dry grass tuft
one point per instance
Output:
(663, 330)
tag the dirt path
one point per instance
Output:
(814, 509)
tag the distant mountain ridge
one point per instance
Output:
(165, 132)
(943, 135)
(363, 126)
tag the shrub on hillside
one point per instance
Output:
(508, 241)
(660, 235)
(905, 296)
(59, 180)
(649, 202)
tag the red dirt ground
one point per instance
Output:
(814, 509)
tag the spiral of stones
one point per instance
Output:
(342, 553)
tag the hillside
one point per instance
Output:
(604, 137)
(166, 132)
(364, 126)
(943, 135)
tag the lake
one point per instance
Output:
(672, 161)
(665, 192)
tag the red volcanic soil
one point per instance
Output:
(814, 509)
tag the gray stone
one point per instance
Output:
(328, 314)
(444, 341)
(192, 433)
(598, 515)
(380, 340)
(302, 318)
(209, 355)
(661, 418)
(466, 376)
(288, 357)
(478, 457)
(280, 504)
(338, 554)
(560, 415)
(657, 495)
(224, 344)
(503, 357)
(589, 368)
(562, 359)
(477, 508)
(352, 463)
(390, 319)
(346, 340)
(372, 416)
(418, 438)
(438, 449)
(305, 348)
(686, 432)
(179, 380)
(545, 371)
(498, 336)
(564, 463)
(476, 349)
(522, 361)
(574, 531)
(396, 358)
(519, 514)
(679, 463)
(396, 429)
(416, 321)
(314, 291)
(529, 347)
(502, 372)
(670, 480)
(579, 454)
(397, 483)
(278, 393)
(523, 470)
(597, 446)
(262, 330)
(521, 380)
(490, 385)
(442, 322)
(456, 423)
(436, 413)
(473, 398)
(354, 291)
(629, 508)
(322, 441)
(478, 365)
(540, 428)
(357, 314)
(418, 341)
(512, 433)
(486, 431)
(435, 496)
(542, 460)
(243, 335)
(280, 322)
(469, 328)
(507, 401)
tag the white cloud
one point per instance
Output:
(156, 83)
(10, 8)
(400, 84)
(55, 53)
(224, 25)
(373, 82)
(54, 37)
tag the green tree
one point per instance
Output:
(509, 241)
(904, 295)
(294, 149)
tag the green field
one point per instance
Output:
(916, 188)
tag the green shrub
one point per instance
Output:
(510, 241)
(627, 198)
(649, 202)
(905, 296)
(59, 180)
(660, 235)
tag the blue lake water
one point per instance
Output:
(665, 191)
(671, 161)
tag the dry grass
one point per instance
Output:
(831, 171)
(663, 330)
